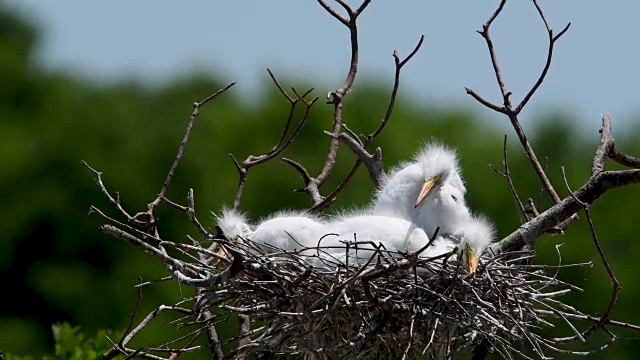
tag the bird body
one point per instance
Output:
(285, 230)
(288, 231)
(368, 232)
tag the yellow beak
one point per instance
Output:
(426, 189)
(471, 261)
(223, 253)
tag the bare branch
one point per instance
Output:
(507, 107)
(547, 65)
(607, 148)
(190, 212)
(115, 201)
(604, 147)
(507, 175)
(552, 217)
(183, 144)
(623, 159)
(120, 348)
(281, 144)
(399, 64)
(372, 162)
(244, 325)
(336, 97)
(614, 281)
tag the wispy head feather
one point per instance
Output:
(234, 224)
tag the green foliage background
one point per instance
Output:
(56, 267)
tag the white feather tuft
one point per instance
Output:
(234, 224)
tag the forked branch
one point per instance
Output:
(599, 183)
(283, 141)
(360, 148)
(507, 107)
(336, 97)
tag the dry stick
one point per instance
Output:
(190, 212)
(614, 281)
(596, 186)
(178, 158)
(372, 162)
(281, 144)
(116, 349)
(590, 191)
(115, 201)
(150, 220)
(336, 97)
(607, 148)
(507, 175)
(120, 347)
(507, 107)
(212, 335)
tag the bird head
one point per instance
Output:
(439, 165)
(234, 225)
(476, 235)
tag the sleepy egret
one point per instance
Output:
(284, 230)
(287, 230)
(428, 191)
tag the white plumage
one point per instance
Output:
(417, 198)
(394, 233)
(428, 191)
(285, 230)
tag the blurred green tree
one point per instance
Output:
(56, 267)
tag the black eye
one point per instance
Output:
(454, 198)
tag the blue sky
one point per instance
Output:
(594, 70)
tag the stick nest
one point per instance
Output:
(393, 306)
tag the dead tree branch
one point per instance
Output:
(597, 185)
(281, 144)
(336, 98)
(614, 281)
(147, 218)
(507, 107)
(360, 148)
(506, 173)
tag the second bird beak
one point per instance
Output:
(427, 188)
(470, 260)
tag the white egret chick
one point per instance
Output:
(394, 233)
(234, 226)
(285, 230)
(475, 236)
(428, 191)
(288, 230)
